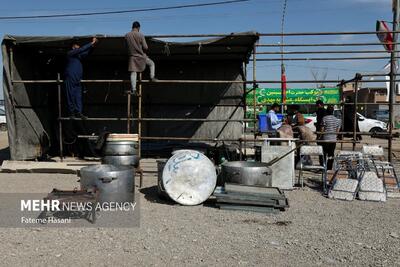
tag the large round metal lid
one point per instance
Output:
(189, 177)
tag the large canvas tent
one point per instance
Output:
(32, 108)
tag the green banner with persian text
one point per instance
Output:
(295, 96)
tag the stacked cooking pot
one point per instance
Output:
(114, 179)
(113, 183)
(121, 149)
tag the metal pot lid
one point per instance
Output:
(245, 164)
(189, 177)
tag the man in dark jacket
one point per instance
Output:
(348, 118)
(73, 75)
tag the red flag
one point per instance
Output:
(283, 84)
(384, 35)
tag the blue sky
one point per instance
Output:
(259, 15)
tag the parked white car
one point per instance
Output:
(365, 124)
(3, 121)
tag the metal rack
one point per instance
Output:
(254, 82)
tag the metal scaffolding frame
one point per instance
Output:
(254, 82)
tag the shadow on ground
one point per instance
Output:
(4, 154)
(151, 194)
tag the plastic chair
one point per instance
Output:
(376, 157)
(305, 153)
(383, 169)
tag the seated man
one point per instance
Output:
(298, 118)
(273, 122)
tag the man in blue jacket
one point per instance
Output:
(273, 122)
(73, 75)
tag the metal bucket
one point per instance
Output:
(246, 173)
(130, 160)
(114, 183)
(189, 177)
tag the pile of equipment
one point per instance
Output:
(114, 179)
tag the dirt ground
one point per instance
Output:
(313, 231)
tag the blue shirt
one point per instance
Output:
(273, 123)
(73, 69)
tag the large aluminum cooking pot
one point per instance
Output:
(114, 148)
(115, 183)
(246, 173)
(130, 160)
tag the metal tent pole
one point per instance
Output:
(140, 116)
(254, 93)
(245, 109)
(342, 107)
(202, 81)
(59, 117)
(393, 59)
(128, 115)
(355, 118)
(11, 63)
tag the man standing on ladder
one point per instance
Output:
(73, 75)
(138, 59)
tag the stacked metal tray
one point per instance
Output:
(251, 198)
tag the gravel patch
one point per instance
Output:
(313, 231)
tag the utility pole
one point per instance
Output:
(283, 71)
(393, 71)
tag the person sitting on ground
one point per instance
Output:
(138, 60)
(330, 126)
(273, 122)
